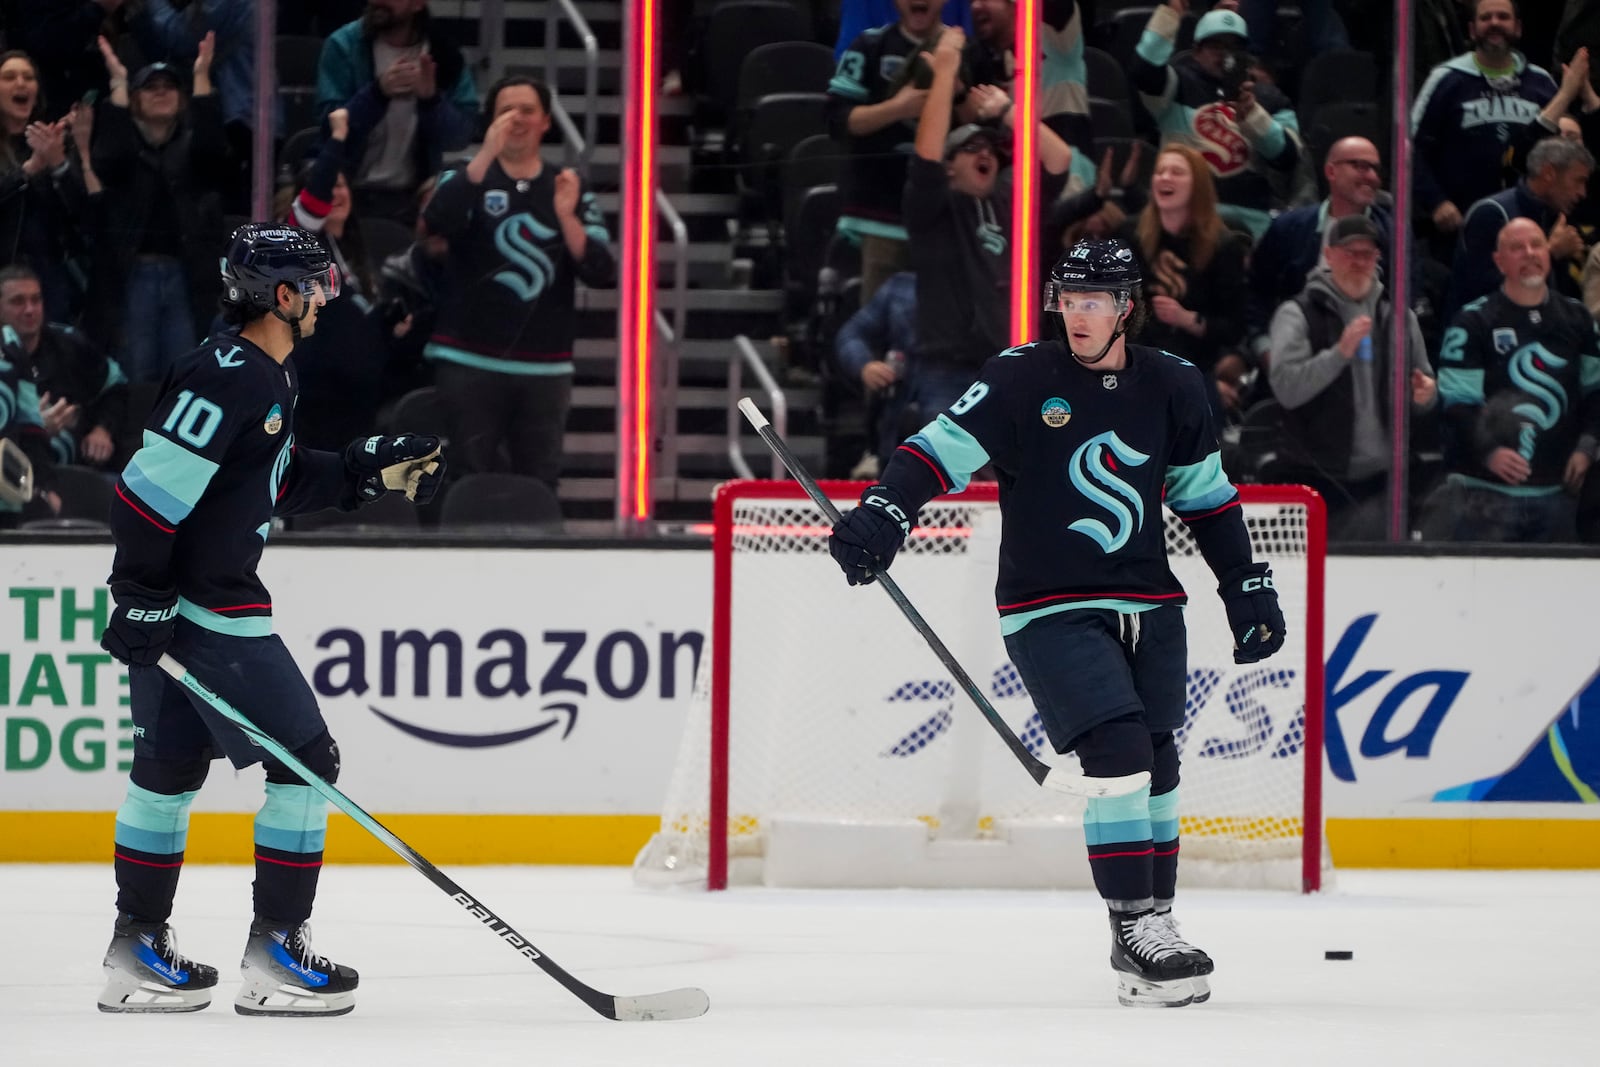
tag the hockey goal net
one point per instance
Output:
(827, 746)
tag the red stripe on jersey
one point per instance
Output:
(944, 483)
(1208, 514)
(286, 863)
(146, 863)
(240, 607)
(142, 513)
(1092, 596)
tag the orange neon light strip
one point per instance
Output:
(638, 281)
(1025, 292)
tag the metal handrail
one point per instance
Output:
(680, 267)
(554, 12)
(745, 353)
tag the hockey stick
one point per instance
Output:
(673, 1004)
(1056, 778)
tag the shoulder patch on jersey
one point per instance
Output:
(1505, 340)
(274, 420)
(1475, 305)
(496, 202)
(1017, 350)
(1056, 412)
(1180, 359)
(231, 359)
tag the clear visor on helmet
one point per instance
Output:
(1109, 303)
(323, 285)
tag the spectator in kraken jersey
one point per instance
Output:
(872, 103)
(1246, 131)
(83, 395)
(1465, 116)
(521, 236)
(958, 214)
(1519, 374)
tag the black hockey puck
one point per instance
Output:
(1338, 954)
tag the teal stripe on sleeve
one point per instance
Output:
(294, 818)
(957, 451)
(450, 354)
(168, 477)
(1460, 387)
(1198, 486)
(114, 376)
(1589, 367)
(154, 822)
(1164, 817)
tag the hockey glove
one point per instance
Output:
(1254, 617)
(867, 537)
(410, 462)
(141, 626)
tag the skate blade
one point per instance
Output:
(284, 1002)
(1137, 993)
(127, 995)
(1202, 989)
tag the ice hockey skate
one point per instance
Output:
(283, 975)
(1153, 968)
(1203, 964)
(145, 972)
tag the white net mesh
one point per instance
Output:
(840, 715)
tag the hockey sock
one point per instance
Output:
(290, 830)
(1117, 830)
(152, 830)
(1164, 834)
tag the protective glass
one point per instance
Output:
(1076, 303)
(324, 284)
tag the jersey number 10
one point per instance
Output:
(194, 419)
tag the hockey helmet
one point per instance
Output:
(1095, 267)
(262, 256)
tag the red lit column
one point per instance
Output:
(636, 308)
(1025, 291)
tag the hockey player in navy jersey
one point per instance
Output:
(1087, 434)
(192, 513)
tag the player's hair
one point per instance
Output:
(1139, 318)
(240, 314)
(1204, 230)
(1560, 153)
(19, 272)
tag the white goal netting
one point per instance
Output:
(830, 747)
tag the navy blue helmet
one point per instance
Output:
(262, 256)
(1094, 267)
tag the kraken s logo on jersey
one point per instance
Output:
(1092, 470)
(517, 238)
(1529, 369)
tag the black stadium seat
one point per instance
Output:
(510, 501)
(735, 30)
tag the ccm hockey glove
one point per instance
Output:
(141, 626)
(1254, 617)
(410, 462)
(868, 536)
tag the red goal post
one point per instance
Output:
(792, 741)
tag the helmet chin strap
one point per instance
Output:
(1122, 328)
(294, 323)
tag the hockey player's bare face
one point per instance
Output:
(1090, 321)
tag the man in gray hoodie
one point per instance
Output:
(1332, 372)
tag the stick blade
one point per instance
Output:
(688, 1003)
(1064, 781)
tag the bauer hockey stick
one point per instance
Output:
(1056, 778)
(673, 1004)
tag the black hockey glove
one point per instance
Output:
(868, 536)
(407, 461)
(141, 626)
(1254, 617)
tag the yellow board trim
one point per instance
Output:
(614, 840)
(86, 836)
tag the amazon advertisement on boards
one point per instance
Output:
(557, 682)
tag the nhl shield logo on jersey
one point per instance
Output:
(496, 202)
(274, 420)
(1056, 413)
(1108, 381)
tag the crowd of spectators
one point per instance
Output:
(1252, 191)
(1239, 147)
(126, 161)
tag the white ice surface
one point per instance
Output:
(1450, 969)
